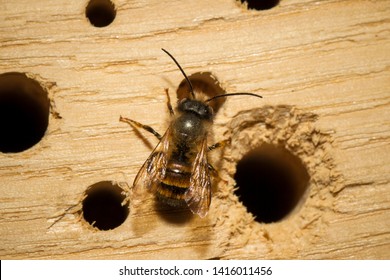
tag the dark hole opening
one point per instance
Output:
(24, 112)
(202, 82)
(100, 13)
(102, 206)
(261, 4)
(271, 182)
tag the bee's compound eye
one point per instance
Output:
(103, 205)
(183, 104)
(210, 110)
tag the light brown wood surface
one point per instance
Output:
(329, 60)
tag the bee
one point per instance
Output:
(177, 171)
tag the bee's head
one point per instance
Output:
(201, 109)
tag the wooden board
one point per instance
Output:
(323, 68)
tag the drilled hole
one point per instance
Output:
(24, 112)
(102, 206)
(100, 13)
(271, 182)
(203, 83)
(261, 4)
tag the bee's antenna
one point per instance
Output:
(231, 94)
(182, 71)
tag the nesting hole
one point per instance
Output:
(271, 182)
(204, 83)
(24, 112)
(261, 4)
(100, 13)
(102, 205)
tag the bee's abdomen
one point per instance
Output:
(175, 184)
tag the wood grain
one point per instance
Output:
(327, 58)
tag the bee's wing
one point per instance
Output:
(198, 196)
(154, 168)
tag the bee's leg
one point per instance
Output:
(171, 112)
(214, 173)
(212, 170)
(140, 125)
(219, 144)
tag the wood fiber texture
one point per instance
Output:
(322, 67)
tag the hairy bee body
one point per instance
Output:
(174, 186)
(177, 171)
(187, 137)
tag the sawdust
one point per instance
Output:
(294, 130)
